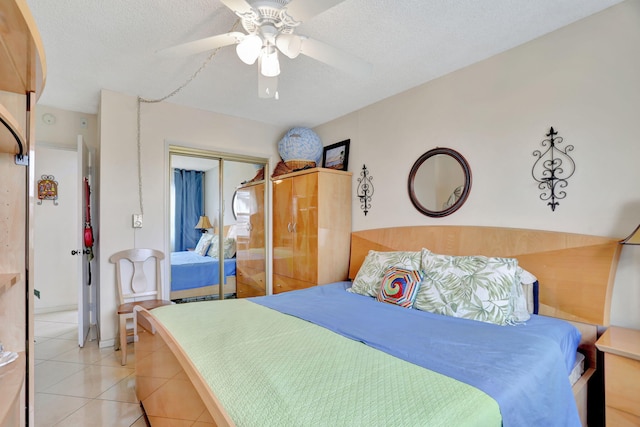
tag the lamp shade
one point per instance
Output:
(203, 223)
(248, 49)
(269, 64)
(289, 45)
(633, 238)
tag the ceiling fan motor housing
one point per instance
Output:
(268, 13)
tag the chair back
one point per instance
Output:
(135, 271)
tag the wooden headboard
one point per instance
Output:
(576, 272)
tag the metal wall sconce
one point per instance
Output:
(365, 189)
(552, 169)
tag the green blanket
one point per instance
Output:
(272, 369)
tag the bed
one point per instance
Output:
(194, 275)
(324, 357)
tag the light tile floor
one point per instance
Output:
(81, 386)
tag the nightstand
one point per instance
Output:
(621, 347)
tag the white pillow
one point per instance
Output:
(519, 297)
(232, 232)
(203, 244)
(527, 279)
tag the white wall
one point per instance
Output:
(161, 123)
(63, 132)
(56, 229)
(66, 127)
(584, 80)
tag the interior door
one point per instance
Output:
(85, 255)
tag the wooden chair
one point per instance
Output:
(136, 288)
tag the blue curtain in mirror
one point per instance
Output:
(189, 206)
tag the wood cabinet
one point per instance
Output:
(21, 78)
(621, 347)
(250, 241)
(311, 228)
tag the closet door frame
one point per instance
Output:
(222, 157)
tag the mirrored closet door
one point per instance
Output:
(217, 225)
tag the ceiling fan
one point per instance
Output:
(270, 27)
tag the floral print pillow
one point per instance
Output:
(369, 278)
(470, 287)
(229, 246)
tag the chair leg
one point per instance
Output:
(123, 338)
(135, 328)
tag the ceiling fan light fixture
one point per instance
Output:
(248, 49)
(267, 86)
(269, 64)
(289, 44)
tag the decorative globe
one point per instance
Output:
(301, 144)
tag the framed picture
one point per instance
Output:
(336, 156)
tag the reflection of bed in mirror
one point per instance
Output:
(196, 273)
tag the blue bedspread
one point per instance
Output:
(190, 270)
(524, 368)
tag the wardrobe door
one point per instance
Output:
(304, 207)
(251, 267)
(282, 229)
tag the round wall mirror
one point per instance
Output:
(234, 207)
(439, 182)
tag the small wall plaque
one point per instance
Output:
(48, 189)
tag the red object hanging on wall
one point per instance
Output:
(88, 231)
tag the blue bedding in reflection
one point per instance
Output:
(190, 270)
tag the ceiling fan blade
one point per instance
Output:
(202, 45)
(267, 86)
(238, 6)
(302, 10)
(335, 57)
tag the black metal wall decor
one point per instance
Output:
(553, 168)
(365, 189)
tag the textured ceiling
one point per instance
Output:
(112, 44)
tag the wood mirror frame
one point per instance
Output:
(464, 193)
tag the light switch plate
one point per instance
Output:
(137, 220)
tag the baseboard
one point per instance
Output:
(106, 343)
(45, 310)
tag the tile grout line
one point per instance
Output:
(97, 358)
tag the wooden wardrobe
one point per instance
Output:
(311, 228)
(251, 249)
(22, 69)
